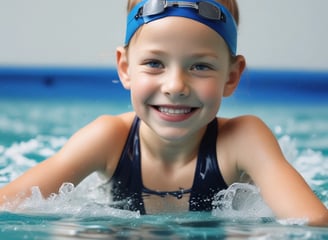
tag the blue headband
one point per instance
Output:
(213, 15)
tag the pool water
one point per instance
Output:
(33, 129)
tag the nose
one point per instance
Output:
(175, 83)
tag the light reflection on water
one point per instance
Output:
(187, 226)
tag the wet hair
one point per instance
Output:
(231, 5)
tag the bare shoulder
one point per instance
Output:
(106, 125)
(240, 129)
(105, 128)
(248, 127)
(100, 142)
(243, 143)
(240, 122)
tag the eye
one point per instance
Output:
(201, 67)
(153, 64)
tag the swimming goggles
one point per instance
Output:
(208, 12)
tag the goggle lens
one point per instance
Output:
(209, 11)
(153, 7)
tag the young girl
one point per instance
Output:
(173, 153)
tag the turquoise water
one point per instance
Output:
(32, 130)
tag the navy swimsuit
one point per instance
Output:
(128, 189)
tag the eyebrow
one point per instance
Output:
(205, 54)
(200, 54)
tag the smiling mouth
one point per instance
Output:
(174, 110)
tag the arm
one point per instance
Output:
(281, 186)
(93, 148)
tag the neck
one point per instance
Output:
(169, 153)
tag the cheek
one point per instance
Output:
(136, 98)
(141, 90)
(210, 94)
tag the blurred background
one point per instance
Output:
(275, 34)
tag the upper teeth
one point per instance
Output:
(174, 110)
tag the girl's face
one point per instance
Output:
(178, 70)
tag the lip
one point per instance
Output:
(174, 113)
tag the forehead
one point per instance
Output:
(170, 31)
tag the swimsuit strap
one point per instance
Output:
(126, 181)
(208, 179)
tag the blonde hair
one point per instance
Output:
(231, 5)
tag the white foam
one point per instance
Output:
(293, 221)
(240, 200)
(2, 149)
(82, 201)
(311, 164)
(16, 126)
(288, 147)
(16, 159)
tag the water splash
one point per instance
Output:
(311, 164)
(82, 201)
(20, 156)
(240, 200)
